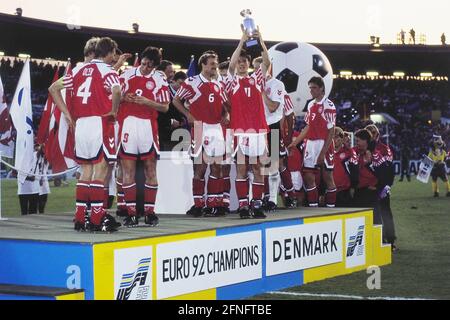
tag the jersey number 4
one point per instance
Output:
(84, 91)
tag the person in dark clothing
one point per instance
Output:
(172, 119)
(383, 167)
(412, 34)
(404, 163)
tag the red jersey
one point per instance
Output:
(247, 107)
(205, 98)
(91, 85)
(367, 177)
(320, 118)
(341, 173)
(153, 86)
(383, 166)
(223, 80)
(288, 107)
(381, 154)
(295, 158)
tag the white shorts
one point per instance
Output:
(137, 139)
(311, 154)
(229, 141)
(297, 180)
(254, 145)
(212, 141)
(94, 138)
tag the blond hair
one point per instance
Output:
(89, 48)
(373, 131)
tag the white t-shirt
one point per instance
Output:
(29, 187)
(275, 91)
(43, 169)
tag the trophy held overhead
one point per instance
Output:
(252, 44)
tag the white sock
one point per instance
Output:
(274, 183)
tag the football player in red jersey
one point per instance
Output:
(383, 167)
(346, 171)
(249, 125)
(295, 167)
(94, 105)
(145, 93)
(226, 168)
(206, 99)
(319, 151)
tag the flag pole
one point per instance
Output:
(1, 219)
(387, 130)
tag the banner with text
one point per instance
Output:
(200, 264)
(304, 246)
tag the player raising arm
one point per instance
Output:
(249, 125)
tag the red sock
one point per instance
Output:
(198, 188)
(150, 199)
(331, 198)
(286, 180)
(220, 202)
(106, 197)
(82, 199)
(96, 195)
(242, 188)
(226, 191)
(313, 197)
(266, 186)
(120, 196)
(214, 192)
(257, 191)
(129, 191)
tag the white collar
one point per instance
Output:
(139, 74)
(322, 101)
(204, 79)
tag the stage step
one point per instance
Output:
(381, 252)
(15, 292)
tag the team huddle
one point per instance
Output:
(236, 117)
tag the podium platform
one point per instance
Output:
(191, 258)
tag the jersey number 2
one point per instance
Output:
(84, 91)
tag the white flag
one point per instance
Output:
(6, 138)
(425, 168)
(22, 118)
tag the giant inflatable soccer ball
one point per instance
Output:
(295, 63)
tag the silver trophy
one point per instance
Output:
(249, 27)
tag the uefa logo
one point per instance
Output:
(133, 273)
